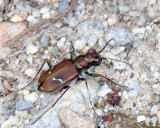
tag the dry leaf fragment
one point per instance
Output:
(7, 85)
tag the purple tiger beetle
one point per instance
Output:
(55, 78)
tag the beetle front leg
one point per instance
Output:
(99, 75)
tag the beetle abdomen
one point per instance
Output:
(61, 75)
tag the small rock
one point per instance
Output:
(13, 119)
(99, 112)
(81, 6)
(117, 50)
(24, 15)
(16, 18)
(72, 120)
(154, 120)
(8, 109)
(44, 10)
(31, 49)
(79, 44)
(154, 109)
(112, 21)
(121, 36)
(58, 24)
(141, 118)
(23, 105)
(36, 12)
(20, 6)
(46, 15)
(6, 124)
(104, 90)
(134, 13)
(73, 22)
(45, 40)
(30, 72)
(64, 4)
(7, 32)
(32, 20)
(158, 116)
(124, 9)
(32, 97)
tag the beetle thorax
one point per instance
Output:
(90, 59)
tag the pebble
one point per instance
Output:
(23, 105)
(30, 72)
(58, 24)
(154, 109)
(73, 120)
(36, 12)
(45, 40)
(31, 49)
(154, 120)
(46, 15)
(112, 21)
(121, 35)
(73, 22)
(5, 30)
(6, 124)
(141, 118)
(79, 44)
(134, 13)
(13, 119)
(64, 4)
(32, 20)
(20, 6)
(117, 50)
(104, 90)
(99, 112)
(32, 97)
(16, 18)
(132, 93)
(80, 7)
(124, 9)
(44, 10)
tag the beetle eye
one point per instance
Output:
(97, 59)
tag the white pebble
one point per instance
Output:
(124, 8)
(154, 120)
(32, 97)
(32, 19)
(104, 90)
(134, 13)
(154, 109)
(141, 118)
(99, 112)
(6, 124)
(112, 21)
(46, 15)
(13, 119)
(31, 49)
(79, 44)
(117, 50)
(152, 2)
(58, 24)
(16, 18)
(156, 75)
(36, 12)
(31, 73)
(29, 59)
(44, 10)
(73, 22)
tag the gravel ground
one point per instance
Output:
(34, 30)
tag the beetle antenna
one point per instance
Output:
(105, 45)
(118, 61)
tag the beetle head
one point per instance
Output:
(93, 57)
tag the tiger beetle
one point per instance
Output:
(61, 75)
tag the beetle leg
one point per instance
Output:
(50, 66)
(49, 63)
(33, 121)
(99, 75)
